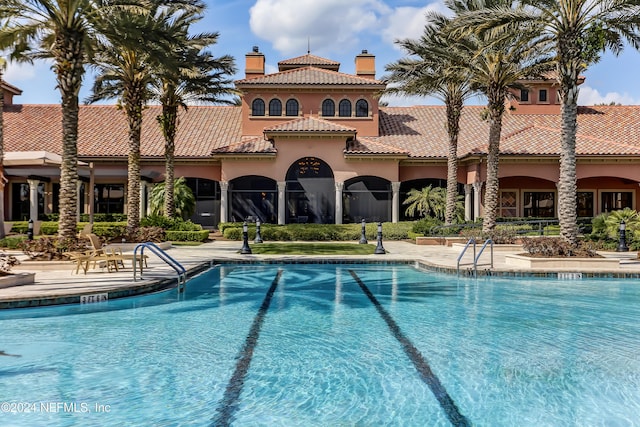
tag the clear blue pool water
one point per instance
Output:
(331, 345)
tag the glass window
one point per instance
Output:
(344, 108)
(362, 108)
(257, 107)
(585, 203)
(367, 197)
(310, 194)
(328, 108)
(275, 107)
(524, 95)
(292, 107)
(540, 204)
(508, 204)
(616, 200)
(109, 198)
(254, 197)
(543, 95)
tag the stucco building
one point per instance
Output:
(312, 144)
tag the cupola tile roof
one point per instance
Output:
(309, 76)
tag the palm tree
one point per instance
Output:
(436, 66)
(125, 71)
(192, 75)
(426, 202)
(2, 178)
(501, 61)
(579, 31)
(185, 201)
(65, 32)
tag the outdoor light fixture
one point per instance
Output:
(245, 240)
(363, 236)
(258, 238)
(622, 245)
(379, 249)
(30, 230)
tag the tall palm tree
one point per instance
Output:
(436, 66)
(2, 178)
(500, 62)
(125, 71)
(579, 30)
(65, 32)
(193, 75)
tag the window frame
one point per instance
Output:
(359, 103)
(289, 110)
(255, 111)
(272, 103)
(330, 102)
(344, 102)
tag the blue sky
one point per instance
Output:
(337, 30)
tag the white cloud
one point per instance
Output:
(19, 72)
(289, 25)
(409, 22)
(590, 96)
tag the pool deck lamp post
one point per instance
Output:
(245, 240)
(30, 230)
(622, 245)
(379, 249)
(258, 238)
(363, 235)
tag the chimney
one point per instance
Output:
(366, 65)
(254, 63)
(9, 91)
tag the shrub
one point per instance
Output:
(319, 232)
(50, 249)
(555, 247)
(425, 225)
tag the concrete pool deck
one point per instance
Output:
(59, 284)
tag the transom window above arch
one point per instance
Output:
(275, 107)
(328, 108)
(292, 107)
(362, 108)
(257, 107)
(344, 108)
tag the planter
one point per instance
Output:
(572, 263)
(496, 247)
(17, 279)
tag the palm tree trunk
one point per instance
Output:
(2, 178)
(69, 69)
(134, 116)
(567, 183)
(454, 109)
(169, 117)
(496, 109)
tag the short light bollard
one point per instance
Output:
(363, 235)
(379, 249)
(30, 230)
(245, 240)
(258, 238)
(622, 244)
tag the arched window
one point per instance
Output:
(292, 107)
(257, 107)
(328, 108)
(275, 107)
(344, 108)
(362, 108)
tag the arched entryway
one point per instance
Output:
(207, 194)
(367, 197)
(310, 192)
(254, 197)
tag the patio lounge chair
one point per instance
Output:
(99, 250)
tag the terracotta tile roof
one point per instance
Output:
(103, 130)
(309, 124)
(369, 147)
(247, 145)
(309, 60)
(309, 76)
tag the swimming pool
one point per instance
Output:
(325, 345)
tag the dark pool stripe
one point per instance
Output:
(427, 375)
(229, 404)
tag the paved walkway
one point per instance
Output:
(62, 285)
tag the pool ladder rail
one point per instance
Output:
(476, 257)
(182, 273)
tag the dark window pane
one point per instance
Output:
(543, 95)
(292, 107)
(344, 108)
(257, 108)
(524, 95)
(275, 107)
(362, 108)
(328, 108)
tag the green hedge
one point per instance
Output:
(318, 232)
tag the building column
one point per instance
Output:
(282, 188)
(78, 194)
(395, 201)
(477, 194)
(468, 189)
(338, 214)
(33, 198)
(224, 201)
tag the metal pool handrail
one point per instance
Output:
(464, 250)
(182, 273)
(475, 260)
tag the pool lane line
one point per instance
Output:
(426, 374)
(229, 404)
